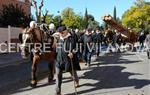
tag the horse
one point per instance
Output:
(30, 38)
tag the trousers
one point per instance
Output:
(59, 75)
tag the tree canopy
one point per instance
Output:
(71, 19)
(13, 15)
(138, 16)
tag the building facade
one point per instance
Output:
(26, 5)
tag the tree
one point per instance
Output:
(86, 18)
(90, 17)
(70, 19)
(91, 22)
(14, 16)
(73, 22)
(43, 18)
(57, 21)
(140, 3)
(67, 12)
(138, 16)
(115, 13)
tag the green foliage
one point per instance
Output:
(67, 12)
(137, 17)
(85, 20)
(93, 24)
(140, 3)
(48, 18)
(72, 22)
(14, 16)
(70, 19)
(57, 21)
(90, 17)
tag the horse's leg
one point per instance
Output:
(51, 71)
(34, 69)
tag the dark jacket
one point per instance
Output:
(109, 36)
(142, 38)
(98, 37)
(87, 40)
(62, 50)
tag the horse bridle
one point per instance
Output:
(33, 38)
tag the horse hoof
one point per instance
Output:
(50, 80)
(33, 85)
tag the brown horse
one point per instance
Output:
(30, 38)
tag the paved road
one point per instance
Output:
(110, 74)
(8, 59)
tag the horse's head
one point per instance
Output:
(25, 46)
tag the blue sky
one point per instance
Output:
(95, 7)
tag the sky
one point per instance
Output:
(97, 8)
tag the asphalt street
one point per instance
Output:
(125, 73)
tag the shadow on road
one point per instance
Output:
(110, 77)
(107, 77)
(115, 58)
(19, 78)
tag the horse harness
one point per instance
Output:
(45, 38)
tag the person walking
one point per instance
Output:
(98, 38)
(88, 46)
(110, 38)
(147, 40)
(65, 58)
(141, 39)
(119, 41)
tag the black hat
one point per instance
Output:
(62, 28)
(98, 28)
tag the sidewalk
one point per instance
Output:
(7, 59)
